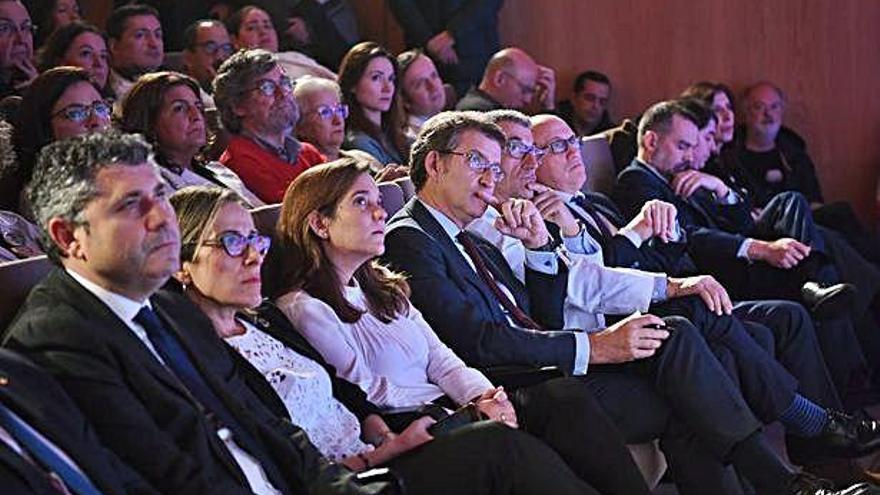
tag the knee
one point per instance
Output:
(682, 331)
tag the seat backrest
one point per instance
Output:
(392, 197)
(265, 218)
(17, 279)
(406, 185)
(601, 174)
(173, 61)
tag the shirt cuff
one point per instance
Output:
(732, 198)
(581, 353)
(630, 234)
(542, 261)
(743, 251)
(660, 285)
(580, 244)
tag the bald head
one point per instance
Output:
(562, 167)
(764, 111)
(510, 78)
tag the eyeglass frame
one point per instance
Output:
(568, 143)
(478, 163)
(285, 83)
(205, 45)
(248, 241)
(531, 149)
(90, 109)
(340, 109)
(524, 88)
(15, 29)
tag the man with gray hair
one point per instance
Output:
(147, 369)
(255, 100)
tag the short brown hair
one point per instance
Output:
(140, 107)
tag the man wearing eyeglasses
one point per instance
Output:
(255, 100)
(17, 68)
(514, 81)
(207, 45)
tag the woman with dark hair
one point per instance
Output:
(166, 107)
(221, 255)
(368, 79)
(357, 314)
(81, 45)
(60, 103)
(51, 15)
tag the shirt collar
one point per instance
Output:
(445, 222)
(123, 307)
(288, 152)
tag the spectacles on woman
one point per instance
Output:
(77, 112)
(235, 244)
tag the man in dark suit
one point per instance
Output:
(159, 386)
(471, 298)
(37, 401)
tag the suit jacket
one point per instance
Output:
(461, 308)
(618, 251)
(40, 402)
(142, 412)
(637, 184)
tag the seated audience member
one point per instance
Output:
(149, 374)
(460, 35)
(421, 89)
(47, 445)
(19, 238)
(80, 45)
(255, 101)
(206, 46)
(134, 36)
(61, 103)
(52, 16)
(222, 277)
(586, 112)
(355, 312)
(514, 81)
(322, 121)
(251, 27)
(166, 109)
(460, 284)
(17, 68)
(368, 79)
(774, 159)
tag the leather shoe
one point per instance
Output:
(842, 437)
(828, 302)
(807, 484)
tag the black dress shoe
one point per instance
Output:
(828, 302)
(807, 484)
(843, 437)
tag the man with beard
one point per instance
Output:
(255, 100)
(134, 38)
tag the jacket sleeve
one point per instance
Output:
(461, 318)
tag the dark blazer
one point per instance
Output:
(618, 251)
(144, 414)
(460, 307)
(637, 184)
(40, 402)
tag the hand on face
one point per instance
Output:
(686, 183)
(521, 219)
(553, 209)
(545, 88)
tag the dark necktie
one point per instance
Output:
(519, 316)
(46, 456)
(591, 211)
(176, 358)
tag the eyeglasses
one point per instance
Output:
(560, 146)
(235, 244)
(326, 112)
(518, 149)
(211, 47)
(269, 87)
(8, 29)
(525, 88)
(478, 163)
(79, 113)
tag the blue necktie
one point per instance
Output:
(42, 452)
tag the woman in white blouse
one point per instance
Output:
(357, 314)
(221, 255)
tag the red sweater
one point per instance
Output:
(262, 171)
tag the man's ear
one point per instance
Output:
(186, 60)
(497, 78)
(63, 235)
(650, 141)
(318, 225)
(433, 166)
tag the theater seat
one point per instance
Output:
(406, 185)
(601, 174)
(392, 197)
(17, 279)
(265, 218)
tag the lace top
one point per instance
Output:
(306, 391)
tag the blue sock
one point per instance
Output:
(803, 417)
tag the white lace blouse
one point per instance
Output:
(306, 391)
(398, 364)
